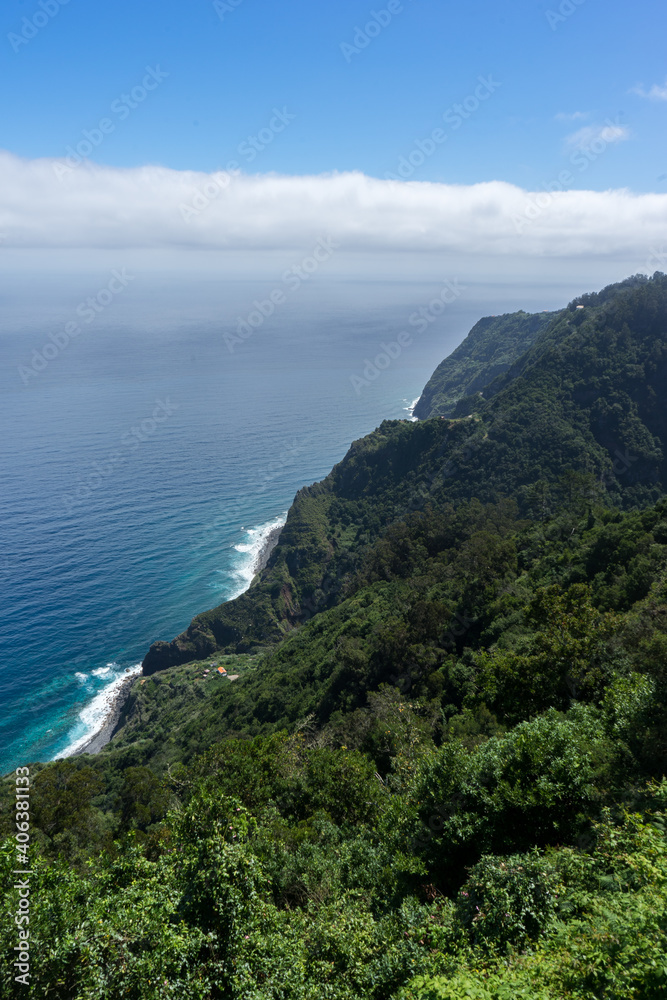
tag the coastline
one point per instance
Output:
(265, 552)
(106, 731)
(411, 410)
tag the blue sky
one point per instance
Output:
(557, 86)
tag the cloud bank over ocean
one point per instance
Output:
(49, 203)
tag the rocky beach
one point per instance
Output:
(105, 733)
(269, 545)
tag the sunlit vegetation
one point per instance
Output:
(441, 770)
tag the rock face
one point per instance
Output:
(193, 644)
(489, 350)
(587, 397)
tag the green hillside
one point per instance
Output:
(439, 771)
(489, 350)
(588, 397)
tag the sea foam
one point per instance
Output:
(94, 715)
(410, 409)
(250, 552)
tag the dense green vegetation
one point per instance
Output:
(440, 772)
(489, 350)
(587, 397)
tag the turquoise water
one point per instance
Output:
(143, 466)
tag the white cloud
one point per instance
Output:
(108, 208)
(656, 93)
(575, 116)
(609, 133)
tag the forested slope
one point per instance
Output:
(489, 350)
(588, 397)
(440, 772)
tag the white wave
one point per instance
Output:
(410, 409)
(94, 715)
(251, 552)
(82, 678)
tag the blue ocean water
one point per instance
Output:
(143, 465)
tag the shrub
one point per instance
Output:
(509, 900)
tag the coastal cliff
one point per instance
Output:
(586, 393)
(489, 350)
(428, 757)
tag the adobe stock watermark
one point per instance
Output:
(249, 150)
(376, 24)
(581, 158)
(419, 321)
(656, 258)
(578, 336)
(292, 279)
(122, 108)
(621, 465)
(224, 7)
(22, 884)
(87, 311)
(454, 117)
(219, 527)
(566, 9)
(31, 26)
(129, 442)
(290, 450)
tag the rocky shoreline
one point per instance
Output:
(105, 734)
(269, 545)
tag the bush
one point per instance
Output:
(537, 785)
(507, 901)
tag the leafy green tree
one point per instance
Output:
(62, 803)
(564, 659)
(537, 785)
(143, 799)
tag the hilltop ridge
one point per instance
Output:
(587, 394)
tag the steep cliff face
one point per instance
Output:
(329, 527)
(587, 398)
(489, 350)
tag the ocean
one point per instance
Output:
(144, 464)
